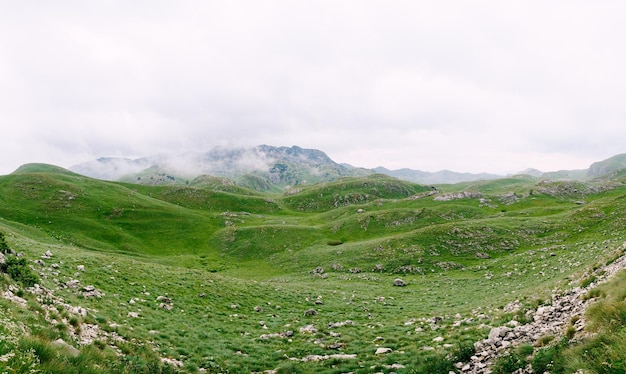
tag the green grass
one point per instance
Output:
(239, 265)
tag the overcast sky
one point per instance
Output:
(470, 86)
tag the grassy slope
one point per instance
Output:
(171, 240)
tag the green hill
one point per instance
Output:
(607, 166)
(226, 279)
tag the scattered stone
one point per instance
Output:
(14, 298)
(80, 267)
(164, 299)
(399, 282)
(46, 255)
(438, 339)
(88, 333)
(434, 320)
(91, 291)
(72, 283)
(166, 306)
(269, 336)
(79, 311)
(458, 195)
(62, 344)
(133, 314)
(308, 329)
(316, 358)
(258, 309)
(310, 312)
(378, 268)
(172, 361)
(334, 325)
(202, 295)
(382, 351)
(497, 333)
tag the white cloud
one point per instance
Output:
(468, 86)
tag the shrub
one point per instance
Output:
(19, 271)
(464, 352)
(587, 281)
(525, 350)
(509, 363)
(437, 364)
(74, 321)
(42, 349)
(594, 293)
(607, 316)
(543, 360)
(604, 354)
(4, 247)
(544, 340)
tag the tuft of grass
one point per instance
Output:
(544, 340)
(588, 281)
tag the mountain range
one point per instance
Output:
(360, 274)
(267, 168)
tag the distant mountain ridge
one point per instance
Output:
(439, 177)
(259, 167)
(266, 167)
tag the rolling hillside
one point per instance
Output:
(213, 277)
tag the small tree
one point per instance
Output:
(4, 247)
(18, 270)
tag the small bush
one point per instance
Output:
(550, 359)
(604, 354)
(544, 340)
(74, 321)
(4, 247)
(99, 344)
(587, 281)
(525, 350)
(464, 352)
(42, 349)
(594, 293)
(607, 316)
(19, 271)
(509, 363)
(288, 368)
(437, 364)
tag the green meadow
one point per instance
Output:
(300, 281)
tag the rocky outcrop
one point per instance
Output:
(566, 310)
(458, 195)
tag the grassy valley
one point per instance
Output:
(214, 277)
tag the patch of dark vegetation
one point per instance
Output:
(16, 267)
